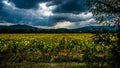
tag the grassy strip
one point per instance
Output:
(50, 65)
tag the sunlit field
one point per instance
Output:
(37, 36)
(52, 51)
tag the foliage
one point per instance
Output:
(107, 12)
(53, 48)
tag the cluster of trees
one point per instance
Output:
(107, 12)
(37, 31)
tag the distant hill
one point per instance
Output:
(17, 29)
(98, 29)
(30, 29)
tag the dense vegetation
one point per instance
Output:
(55, 48)
(107, 12)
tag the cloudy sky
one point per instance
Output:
(46, 13)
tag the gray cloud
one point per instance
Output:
(48, 13)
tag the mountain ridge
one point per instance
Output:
(27, 28)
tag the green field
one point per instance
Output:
(81, 36)
(52, 48)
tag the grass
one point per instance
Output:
(50, 65)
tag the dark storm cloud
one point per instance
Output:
(63, 6)
(12, 18)
(66, 17)
(1, 4)
(31, 13)
(18, 18)
(26, 4)
(71, 6)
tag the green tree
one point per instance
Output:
(107, 12)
